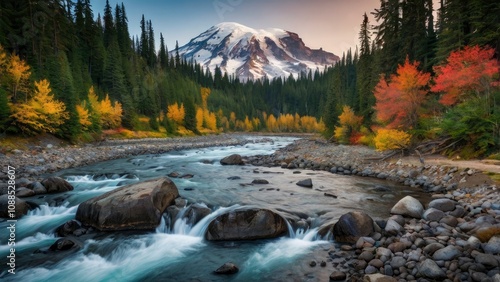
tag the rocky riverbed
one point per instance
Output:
(456, 237)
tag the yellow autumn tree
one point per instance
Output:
(83, 115)
(247, 124)
(349, 125)
(18, 72)
(271, 123)
(176, 113)
(199, 119)
(42, 113)
(110, 113)
(391, 139)
(210, 120)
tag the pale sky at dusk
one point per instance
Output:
(330, 24)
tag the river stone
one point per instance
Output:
(408, 206)
(433, 247)
(443, 204)
(68, 228)
(234, 159)
(392, 227)
(227, 268)
(24, 192)
(196, 212)
(433, 214)
(62, 244)
(21, 207)
(447, 253)
(493, 245)
(486, 233)
(489, 261)
(136, 206)
(429, 269)
(351, 226)
(37, 187)
(260, 181)
(338, 276)
(305, 183)
(56, 185)
(250, 224)
(377, 277)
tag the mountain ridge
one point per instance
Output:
(248, 53)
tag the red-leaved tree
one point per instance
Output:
(468, 71)
(399, 99)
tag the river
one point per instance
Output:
(177, 251)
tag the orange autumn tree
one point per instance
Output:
(398, 100)
(176, 113)
(18, 73)
(349, 125)
(467, 71)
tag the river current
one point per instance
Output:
(177, 251)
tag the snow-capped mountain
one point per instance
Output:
(249, 53)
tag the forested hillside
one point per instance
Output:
(106, 79)
(417, 78)
(72, 71)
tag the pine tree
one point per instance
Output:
(163, 56)
(364, 71)
(190, 117)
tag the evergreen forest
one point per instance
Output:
(419, 73)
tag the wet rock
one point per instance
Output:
(38, 188)
(24, 192)
(234, 159)
(21, 207)
(338, 276)
(137, 206)
(63, 244)
(260, 181)
(196, 212)
(227, 268)
(22, 182)
(305, 183)
(351, 226)
(233, 178)
(187, 176)
(397, 247)
(56, 185)
(68, 228)
(330, 195)
(429, 269)
(448, 253)
(312, 263)
(247, 224)
(174, 174)
(408, 206)
(443, 204)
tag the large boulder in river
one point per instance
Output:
(351, 226)
(56, 185)
(19, 207)
(136, 206)
(248, 224)
(234, 159)
(408, 206)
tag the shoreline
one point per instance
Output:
(398, 251)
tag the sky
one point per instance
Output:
(329, 24)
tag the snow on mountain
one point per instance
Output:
(249, 53)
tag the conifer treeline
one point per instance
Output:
(407, 29)
(66, 43)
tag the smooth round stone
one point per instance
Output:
(397, 262)
(338, 276)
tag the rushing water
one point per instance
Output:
(177, 250)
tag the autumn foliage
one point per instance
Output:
(398, 100)
(391, 139)
(350, 123)
(467, 71)
(42, 113)
(109, 114)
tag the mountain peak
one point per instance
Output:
(249, 53)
